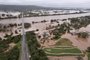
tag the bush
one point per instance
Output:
(88, 49)
(0, 39)
(16, 32)
(83, 35)
(37, 29)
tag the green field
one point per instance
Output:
(63, 47)
(64, 42)
(63, 51)
(75, 54)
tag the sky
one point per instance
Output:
(49, 3)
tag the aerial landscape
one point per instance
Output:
(44, 30)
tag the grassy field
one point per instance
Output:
(64, 42)
(63, 52)
(75, 54)
(63, 47)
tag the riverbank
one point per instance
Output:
(40, 15)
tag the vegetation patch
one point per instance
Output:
(63, 52)
(64, 42)
(63, 47)
(83, 35)
(13, 53)
(89, 56)
(35, 51)
(79, 22)
(61, 29)
(27, 25)
(34, 47)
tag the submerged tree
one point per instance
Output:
(88, 49)
(27, 25)
(79, 58)
(83, 35)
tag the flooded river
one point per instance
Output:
(30, 19)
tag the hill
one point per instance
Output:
(21, 7)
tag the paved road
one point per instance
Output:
(24, 46)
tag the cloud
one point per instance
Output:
(52, 3)
(9, 1)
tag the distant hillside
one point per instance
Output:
(28, 7)
(21, 7)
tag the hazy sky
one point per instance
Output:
(50, 3)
